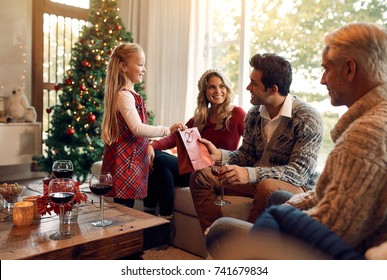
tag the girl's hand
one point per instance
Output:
(177, 127)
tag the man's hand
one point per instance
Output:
(215, 153)
(234, 175)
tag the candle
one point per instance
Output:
(23, 213)
(33, 199)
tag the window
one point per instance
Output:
(59, 35)
(292, 29)
(56, 28)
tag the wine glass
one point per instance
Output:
(101, 184)
(216, 170)
(62, 168)
(60, 192)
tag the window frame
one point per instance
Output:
(244, 52)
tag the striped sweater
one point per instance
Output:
(351, 194)
(292, 152)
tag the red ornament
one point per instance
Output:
(91, 117)
(85, 63)
(68, 81)
(56, 87)
(118, 27)
(70, 131)
(48, 110)
(82, 87)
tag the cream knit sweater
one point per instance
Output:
(350, 196)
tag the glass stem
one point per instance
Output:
(61, 220)
(221, 190)
(101, 208)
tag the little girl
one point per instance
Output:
(125, 128)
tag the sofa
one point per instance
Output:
(186, 233)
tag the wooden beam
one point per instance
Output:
(37, 57)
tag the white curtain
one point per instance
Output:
(171, 33)
(135, 18)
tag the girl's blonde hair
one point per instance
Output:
(116, 80)
(223, 111)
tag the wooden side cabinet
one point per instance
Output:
(19, 142)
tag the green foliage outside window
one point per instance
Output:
(294, 29)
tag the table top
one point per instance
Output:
(132, 232)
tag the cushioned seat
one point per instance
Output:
(187, 231)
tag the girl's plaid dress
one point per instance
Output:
(127, 158)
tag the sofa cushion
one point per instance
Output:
(239, 208)
(183, 201)
(187, 234)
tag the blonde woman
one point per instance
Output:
(217, 119)
(125, 128)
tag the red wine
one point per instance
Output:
(61, 197)
(216, 171)
(63, 173)
(100, 189)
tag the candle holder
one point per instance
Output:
(34, 200)
(23, 213)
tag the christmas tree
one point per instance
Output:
(75, 131)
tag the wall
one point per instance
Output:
(15, 46)
(15, 65)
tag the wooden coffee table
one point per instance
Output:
(132, 232)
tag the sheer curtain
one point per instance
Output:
(171, 33)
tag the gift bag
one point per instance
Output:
(192, 155)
